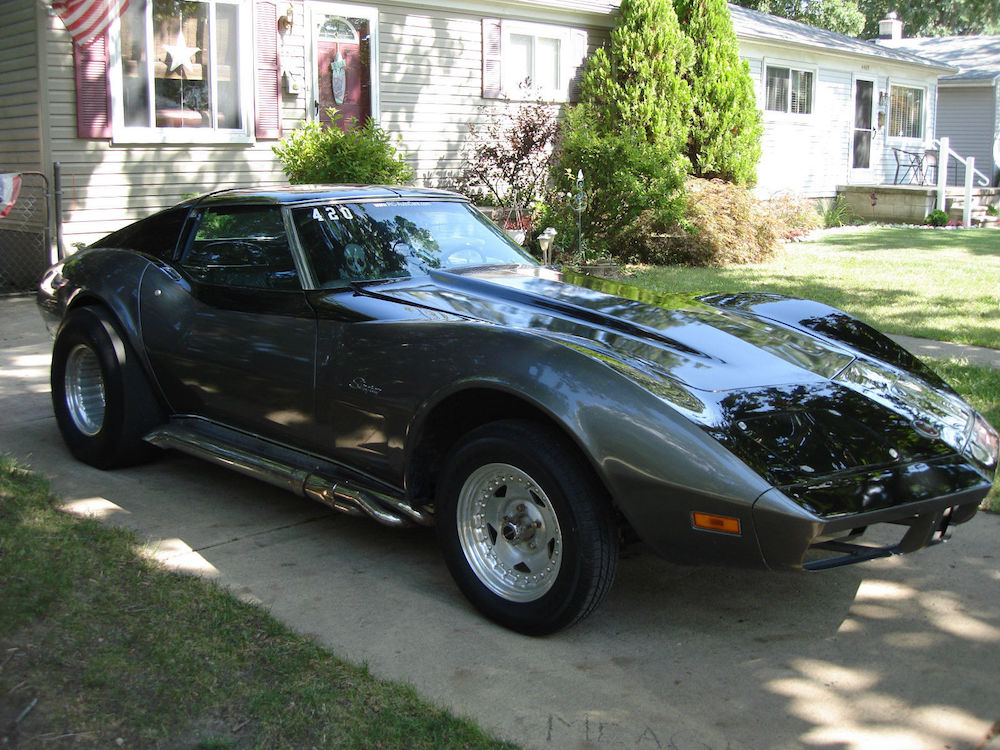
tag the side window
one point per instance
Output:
(156, 235)
(242, 246)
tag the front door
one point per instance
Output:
(342, 55)
(864, 130)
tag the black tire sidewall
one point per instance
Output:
(127, 409)
(583, 521)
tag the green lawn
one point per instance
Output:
(101, 648)
(937, 284)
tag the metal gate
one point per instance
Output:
(25, 237)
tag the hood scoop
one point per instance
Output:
(700, 345)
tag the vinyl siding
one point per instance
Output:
(107, 185)
(810, 155)
(967, 115)
(430, 89)
(431, 83)
(20, 147)
(996, 133)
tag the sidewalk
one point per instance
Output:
(974, 355)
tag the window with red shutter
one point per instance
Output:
(527, 61)
(169, 72)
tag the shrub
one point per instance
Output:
(629, 132)
(317, 154)
(625, 176)
(724, 223)
(794, 216)
(937, 218)
(508, 158)
(838, 213)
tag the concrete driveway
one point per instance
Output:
(900, 653)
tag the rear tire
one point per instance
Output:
(526, 529)
(103, 402)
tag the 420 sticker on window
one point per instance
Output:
(332, 213)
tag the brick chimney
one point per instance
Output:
(890, 27)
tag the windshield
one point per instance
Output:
(348, 242)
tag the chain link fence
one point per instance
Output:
(24, 237)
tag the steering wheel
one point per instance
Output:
(469, 254)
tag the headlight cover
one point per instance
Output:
(933, 413)
(984, 444)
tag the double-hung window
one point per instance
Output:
(906, 112)
(789, 90)
(531, 60)
(181, 72)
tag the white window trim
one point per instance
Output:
(315, 12)
(925, 119)
(569, 59)
(120, 133)
(792, 66)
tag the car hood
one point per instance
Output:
(703, 347)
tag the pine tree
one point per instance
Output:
(629, 132)
(639, 79)
(725, 132)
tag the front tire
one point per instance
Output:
(102, 399)
(526, 529)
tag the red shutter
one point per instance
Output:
(267, 94)
(492, 81)
(93, 102)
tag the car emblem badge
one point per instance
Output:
(359, 384)
(927, 428)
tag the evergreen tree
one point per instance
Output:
(724, 140)
(629, 132)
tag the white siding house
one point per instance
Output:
(165, 105)
(969, 100)
(834, 107)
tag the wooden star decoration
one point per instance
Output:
(180, 53)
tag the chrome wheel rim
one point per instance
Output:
(509, 532)
(85, 398)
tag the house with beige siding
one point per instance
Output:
(187, 97)
(181, 97)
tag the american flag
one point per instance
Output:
(88, 19)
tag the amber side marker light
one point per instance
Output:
(721, 524)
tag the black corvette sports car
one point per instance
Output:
(389, 352)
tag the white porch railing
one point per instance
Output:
(944, 154)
